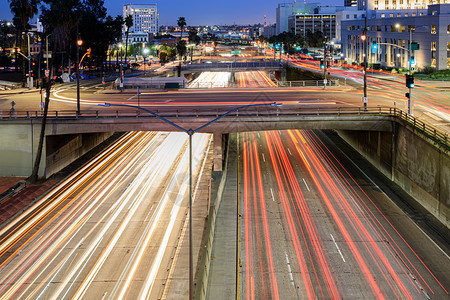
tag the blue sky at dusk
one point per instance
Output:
(200, 12)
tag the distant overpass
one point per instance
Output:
(269, 66)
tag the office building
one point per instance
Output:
(145, 22)
(393, 30)
(397, 4)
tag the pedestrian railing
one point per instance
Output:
(438, 136)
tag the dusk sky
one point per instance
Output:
(200, 12)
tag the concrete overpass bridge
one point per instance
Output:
(269, 66)
(412, 153)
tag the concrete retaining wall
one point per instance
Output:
(217, 187)
(411, 161)
(65, 149)
(19, 145)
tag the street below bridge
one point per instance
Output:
(313, 224)
(432, 103)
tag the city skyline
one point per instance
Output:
(199, 12)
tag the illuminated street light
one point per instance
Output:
(190, 133)
(79, 43)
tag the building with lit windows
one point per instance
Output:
(397, 4)
(392, 31)
(145, 22)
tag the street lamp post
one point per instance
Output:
(145, 53)
(409, 64)
(29, 62)
(364, 39)
(79, 43)
(190, 133)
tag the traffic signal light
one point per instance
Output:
(322, 64)
(363, 36)
(407, 95)
(409, 81)
(374, 46)
(413, 61)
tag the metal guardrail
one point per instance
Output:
(440, 137)
(258, 84)
(304, 83)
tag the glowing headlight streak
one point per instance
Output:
(358, 226)
(385, 234)
(49, 239)
(200, 142)
(299, 201)
(138, 188)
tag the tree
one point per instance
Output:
(58, 18)
(214, 40)
(128, 24)
(181, 48)
(181, 23)
(23, 11)
(193, 37)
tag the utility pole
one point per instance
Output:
(325, 63)
(409, 63)
(29, 63)
(79, 43)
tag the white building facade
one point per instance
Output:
(397, 4)
(393, 30)
(145, 22)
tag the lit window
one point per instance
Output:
(433, 29)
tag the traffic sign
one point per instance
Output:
(235, 52)
(365, 100)
(47, 73)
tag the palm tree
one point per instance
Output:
(128, 23)
(58, 18)
(181, 22)
(23, 11)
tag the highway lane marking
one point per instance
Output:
(273, 198)
(289, 268)
(337, 247)
(289, 151)
(264, 158)
(306, 184)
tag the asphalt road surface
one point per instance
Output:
(112, 230)
(313, 226)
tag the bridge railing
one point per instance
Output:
(259, 84)
(440, 137)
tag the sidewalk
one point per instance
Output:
(222, 276)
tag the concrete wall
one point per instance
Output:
(414, 163)
(19, 145)
(65, 149)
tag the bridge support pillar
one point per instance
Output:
(283, 74)
(218, 152)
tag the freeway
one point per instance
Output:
(315, 227)
(113, 229)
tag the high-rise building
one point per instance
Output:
(393, 31)
(397, 4)
(145, 21)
